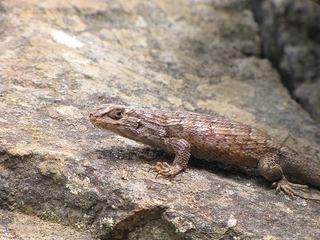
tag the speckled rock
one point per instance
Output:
(62, 59)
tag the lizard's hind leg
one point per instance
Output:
(270, 168)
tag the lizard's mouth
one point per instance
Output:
(93, 119)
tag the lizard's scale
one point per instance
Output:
(211, 137)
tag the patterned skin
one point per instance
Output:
(210, 137)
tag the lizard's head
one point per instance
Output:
(108, 116)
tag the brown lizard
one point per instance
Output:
(210, 137)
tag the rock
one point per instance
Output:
(176, 55)
(290, 35)
(309, 97)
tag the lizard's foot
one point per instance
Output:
(165, 169)
(287, 186)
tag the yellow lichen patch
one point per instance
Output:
(23, 59)
(42, 135)
(14, 100)
(145, 99)
(133, 17)
(32, 135)
(144, 160)
(42, 109)
(86, 161)
(34, 127)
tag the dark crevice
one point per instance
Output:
(290, 36)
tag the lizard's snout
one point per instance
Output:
(94, 115)
(93, 118)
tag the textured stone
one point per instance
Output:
(202, 56)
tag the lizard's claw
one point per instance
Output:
(287, 186)
(165, 169)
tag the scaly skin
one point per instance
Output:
(210, 137)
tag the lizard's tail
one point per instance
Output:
(304, 169)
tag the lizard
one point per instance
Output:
(210, 137)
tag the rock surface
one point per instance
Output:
(290, 35)
(62, 59)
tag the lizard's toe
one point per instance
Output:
(287, 187)
(159, 166)
(165, 169)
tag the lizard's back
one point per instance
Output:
(221, 139)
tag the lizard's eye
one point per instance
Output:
(117, 114)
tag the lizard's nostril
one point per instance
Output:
(92, 115)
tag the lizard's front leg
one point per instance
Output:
(182, 149)
(269, 167)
